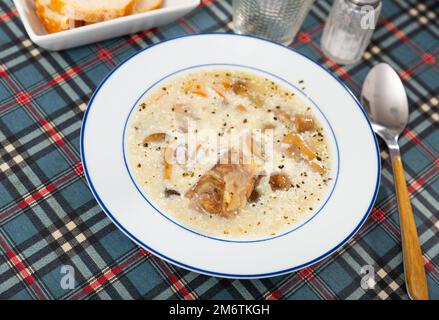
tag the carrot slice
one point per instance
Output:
(167, 172)
(219, 91)
(226, 84)
(197, 90)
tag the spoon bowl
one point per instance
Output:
(385, 100)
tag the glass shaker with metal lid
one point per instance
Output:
(349, 28)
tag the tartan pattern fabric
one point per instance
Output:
(48, 217)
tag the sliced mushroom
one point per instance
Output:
(154, 137)
(268, 126)
(239, 87)
(241, 107)
(297, 141)
(279, 181)
(304, 123)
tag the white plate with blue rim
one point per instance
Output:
(318, 234)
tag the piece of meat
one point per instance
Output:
(208, 194)
(224, 189)
(279, 181)
(255, 195)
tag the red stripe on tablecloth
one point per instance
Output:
(275, 295)
(416, 185)
(68, 74)
(3, 72)
(180, 287)
(206, 3)
(79, 169)
(16, 262)
(107, 276)
(337, 68)
(8, 15)
(41, 193)
(23, 97)
(139, 36)
(306, 273)
(304, 37)
(22, 270)
(49, 128)
(428, 58)
(56, 183)
(378, 215)
(411, 136)
(389, 25)
(104, 54)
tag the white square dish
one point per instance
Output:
(170, 11)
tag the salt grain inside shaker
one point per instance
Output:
(349, 28)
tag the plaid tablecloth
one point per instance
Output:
(49, 219)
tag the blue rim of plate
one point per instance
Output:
(303, 222)
(213, 273)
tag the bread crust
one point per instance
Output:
(51, 24)
(155, 5)
(91, 15)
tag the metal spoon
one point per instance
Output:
(385, 100)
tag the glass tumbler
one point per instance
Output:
(276, 20)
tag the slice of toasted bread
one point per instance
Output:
(147, 5)
(93, 11)
(52, 21)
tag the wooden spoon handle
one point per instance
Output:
(413, 262)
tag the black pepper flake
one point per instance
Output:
(275, 118)
(245, 120)
(281, 166)
(171, 192)
(139, 165)
(301, 81)
(145, 145)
